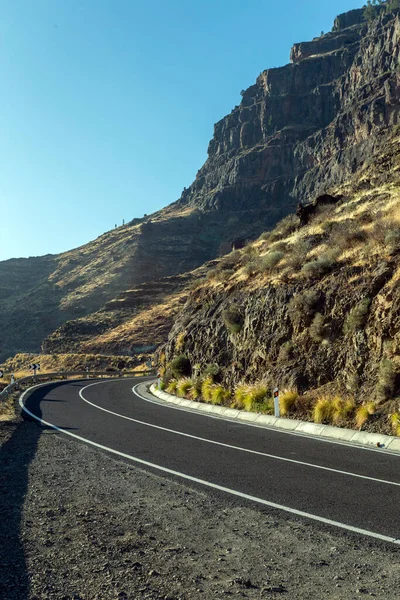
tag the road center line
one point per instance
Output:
(239, 448)
(286, 509)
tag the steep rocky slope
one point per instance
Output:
(298, 131)
(312, 308)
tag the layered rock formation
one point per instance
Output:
(298, 131)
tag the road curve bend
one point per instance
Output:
(354, 489)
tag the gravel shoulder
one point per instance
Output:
(77, 523)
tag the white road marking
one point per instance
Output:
(315, 438)
(239, 448)
(287, 509)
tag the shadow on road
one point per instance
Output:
(16, 455)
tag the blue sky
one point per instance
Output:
(107, 106)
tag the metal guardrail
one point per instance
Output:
(63, 374)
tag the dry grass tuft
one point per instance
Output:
(220, 395)
(342, 410)
(395, 422)
(183, 387)
(207, 389)
(287, 401)
(323, 410)
(172, 386)
(362, 415)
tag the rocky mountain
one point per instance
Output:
(297, 132)
(312, 308)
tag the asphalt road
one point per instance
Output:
(353, 488)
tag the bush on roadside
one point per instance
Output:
(363, 413)
(342, 410)
(395, 423)
(253, 397)
(207, 389)
(220, 395)
(323, 410)
(195, 390)
(287, 401)
(180, 366)
(183, 387)
(171, 386)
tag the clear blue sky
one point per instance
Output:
(107, 106)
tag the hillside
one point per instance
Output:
(299, 131)
(312, 307)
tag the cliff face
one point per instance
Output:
(299, 131)
(313, 308)
(309, 125)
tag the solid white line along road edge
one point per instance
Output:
(287, 509)
(239, 448)
(273, 428)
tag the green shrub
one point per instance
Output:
(197, 283)
(322, 265)
(184, 386)
(280, 247)
(285, 351)
(386, 379)
(212, 371)
(297, 254)
(270, 260)
(284, 228)
(392, 239)
(180, 366)
(230, 260)
(223, 275)
(233, 318)
(253, 266)
(357, 317)
(303, 305)
(317, 328)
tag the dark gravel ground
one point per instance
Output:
(77, 523)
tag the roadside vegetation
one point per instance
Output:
(334, 269)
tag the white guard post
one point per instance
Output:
(277, 412)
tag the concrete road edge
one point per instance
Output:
(386, 442)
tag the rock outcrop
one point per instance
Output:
(298, 132)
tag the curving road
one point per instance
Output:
(355, 489)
